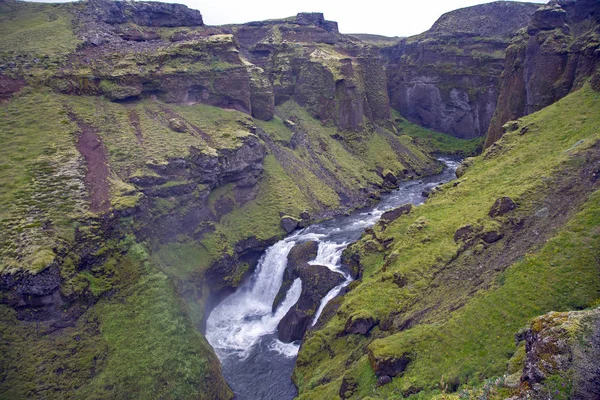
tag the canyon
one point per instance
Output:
(149, 160)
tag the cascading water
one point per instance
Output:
(242, 328)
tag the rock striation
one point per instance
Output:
(448, 77)
(553, 56)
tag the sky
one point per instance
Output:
(382, 17)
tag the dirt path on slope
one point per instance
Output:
(91, 147)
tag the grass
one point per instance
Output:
(139, 343)
(36, 29)
(476, 341)
(437, 142)
(42, 192)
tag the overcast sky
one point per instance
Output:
(383, 17)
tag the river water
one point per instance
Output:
(243, 329)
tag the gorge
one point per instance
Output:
(196, 211)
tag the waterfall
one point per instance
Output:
(235, 325)
(242, 328)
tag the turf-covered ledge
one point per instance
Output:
(525, 165)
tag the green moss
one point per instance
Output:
(476, 341)
(42, 192)
(36, 29)
(437, 142)
(277, 130)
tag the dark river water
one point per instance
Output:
(243, 329)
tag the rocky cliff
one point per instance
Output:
(444, 287)
(553, 56)
(149, 161)
(448, 77)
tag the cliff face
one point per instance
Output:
(448, 77)
(444, 287)
(552, 57)
(337, 79)
(151, 159)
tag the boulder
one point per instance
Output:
(502, 206)
(177, 125)
(563, 345)
(463, 233)
(317, 281)
(390, 178)
(299, 255)
(388, 365)
(383, 380)
(464, 165)
(359, 325)
(492, 236)
(395, 213)
(289, 224)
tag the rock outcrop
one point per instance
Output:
(336, 78)
(448, 77)
(317, 281)
(146, 13)
(562, 352)
(552, 57)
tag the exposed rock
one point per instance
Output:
(388, 365)
(289, 224)
(383, 380)
(464, 233)
(395, 213)
(566, 346)
(177, 125)
(242, 165)
(426, 192)
(492, 236)
(431, 77)
(464, 165)
(359, 325)
(300, 255)
(317, 281)
(348, 387)
(390, 178)
(146, 13)
(552, 58)
(502, 206)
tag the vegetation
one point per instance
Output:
(138, 343)
(36, 29)
(437, 142)
(474, 342)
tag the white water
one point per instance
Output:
(236, 324)
(242, 328)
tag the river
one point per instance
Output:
(243, 329)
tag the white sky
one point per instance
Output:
(383, 17)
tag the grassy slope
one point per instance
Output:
(437, 142)
(139, 343)
(36, 29)
(477, 340)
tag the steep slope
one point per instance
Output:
(448, 77)
(146, 165)
(445, 288)
(552, 57)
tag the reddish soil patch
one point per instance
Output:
(91, 147)
(8, 86)
(134, 120)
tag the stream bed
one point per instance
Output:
(242, 329)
